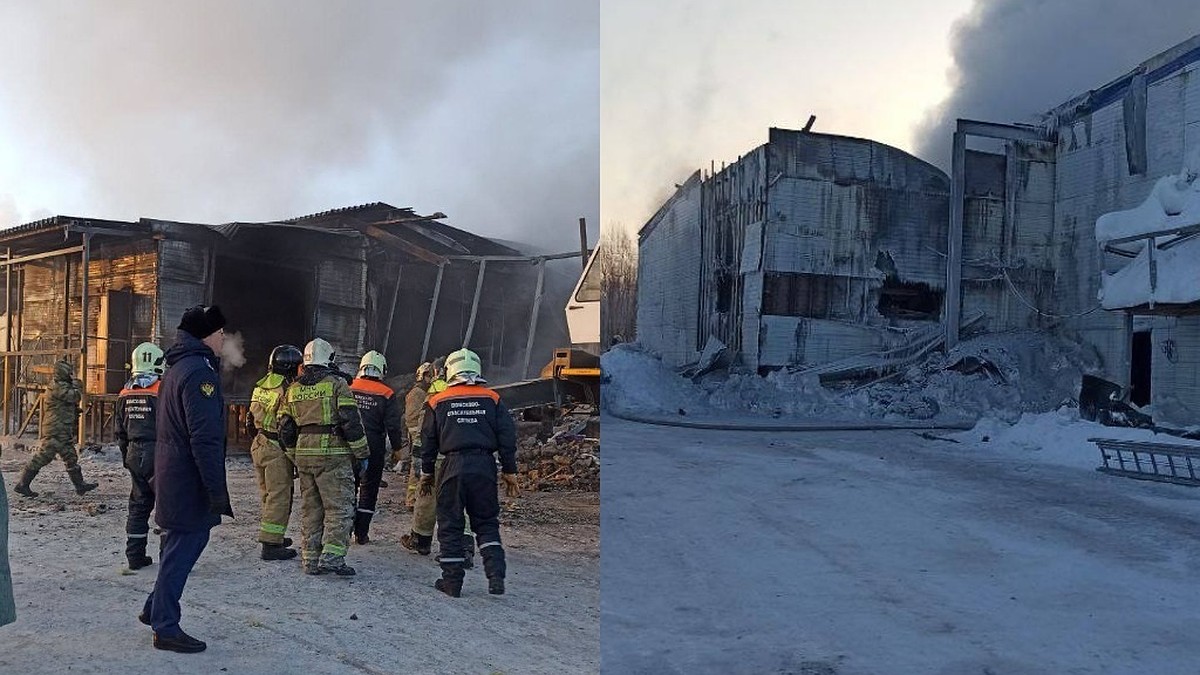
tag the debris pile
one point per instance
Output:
(569, 459)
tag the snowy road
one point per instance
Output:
(883, 552)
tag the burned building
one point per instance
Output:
(365, 277)
(809, 248)
(1034, 231)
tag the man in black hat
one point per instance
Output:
(189, 468)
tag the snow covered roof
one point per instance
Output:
(1161, 229)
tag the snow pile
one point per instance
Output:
(1174, 202)
(637, 381)
(1001, 375)
(1057, 437)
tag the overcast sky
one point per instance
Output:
(229, 110)
(686, 83)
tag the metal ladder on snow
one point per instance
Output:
(1164, 462)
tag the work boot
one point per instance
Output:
(417, 543)
(76, 475)
(494, 565)
(277, 552)
(362, 525)
(22, 486)
(182, 643)
(496, 585)
(135, 553)
(335, 564)
(452, 579)
(450, 588)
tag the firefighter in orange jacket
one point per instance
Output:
(382, 420)
(469, 424)
(136, 425)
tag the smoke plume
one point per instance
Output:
(223, 110)
(1014, 59)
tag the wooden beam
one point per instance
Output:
(515, 258)
(41, 256)
(389, 239)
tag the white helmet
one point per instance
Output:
(147, 358)
(319, 353)
(373, 364)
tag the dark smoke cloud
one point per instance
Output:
(222, 110)
(1014, 59)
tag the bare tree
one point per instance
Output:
(618, 285)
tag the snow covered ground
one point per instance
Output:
(888, 552)
(77, 605)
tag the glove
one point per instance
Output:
(251, 430)
(426, 485)
(219, 505)
(360, 469)
(512, 489)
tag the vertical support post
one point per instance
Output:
(533, 317)
(83, 330)
(8, 341)
(583, 243)
(475, 302)
(387, 333)
(437, 290)
(953, 305)
(1150, 248)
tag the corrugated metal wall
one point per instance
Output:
(733, 204)
(1008, 235)
(669, 277)
(342, 303)
(835, 206)
(183, 281)
(1092, 178)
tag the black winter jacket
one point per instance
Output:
(189, 455)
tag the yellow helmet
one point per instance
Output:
(373, 364)
(147, 358)
(319, 353)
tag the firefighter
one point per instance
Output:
(420, 538)
(321, 427)
(469, 424)
(58, 431)
(136, 425)
(274, 469)
(414, 404)
(382, 420)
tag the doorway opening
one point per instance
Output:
(1140, 368)
(269, 305)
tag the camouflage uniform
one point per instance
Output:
(272, 466)
(414, 406)
(59, 429)
(323, 432)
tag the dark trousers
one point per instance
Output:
(141, 500)
(179, 553)
(468, 483)
(368, 489)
